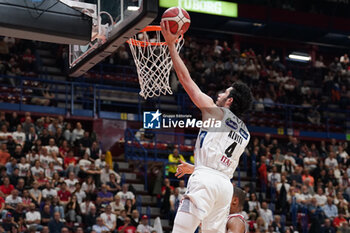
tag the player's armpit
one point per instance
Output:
(235, 225)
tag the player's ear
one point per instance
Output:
(229, 101)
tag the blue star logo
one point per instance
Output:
(151, 120)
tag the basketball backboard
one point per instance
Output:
(115, 23)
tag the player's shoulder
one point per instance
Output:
(236, 216)
(234, 118)
(236, 224)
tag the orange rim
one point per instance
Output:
(152, 28)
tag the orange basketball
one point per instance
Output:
(178, 19)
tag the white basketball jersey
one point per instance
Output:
(220, 148)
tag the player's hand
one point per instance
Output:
(169, 37)
(184, 168)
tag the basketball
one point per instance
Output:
(178, 19)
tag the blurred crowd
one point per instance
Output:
(302, 186)
(17, 57)
(56, 178)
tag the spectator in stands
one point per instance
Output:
(52, 148)
(90, 218)
(331, 162)
(330, 210)
(282, 189)
(105, 175)
(55, 225)
(174, 200)
(64, 194)
(294, 147)
(70, 163)
(13, 121)
(27, 124)
(266, 213)
(77, 133)
(13, 200)
(109, 219)
(127, 227)
(307, 178)
(6, 188)
(117, 205)
(4, 155)
(4, 134)
(18, 136)
(167, 190)
(253, 203)
(100, 163)
(182, 188)
(135, 218)
(263, 172)
(67, 134)
(49, 191)
(73, 211)
(8, 223)
(33, 218)
(174, 159)
(21, 186)
(10, 166)
(35, 193)
(89, 186)
(113, 184)
(327, 227)
(129, 207)
(105, 195)
(71, 182)
(100, 226)
(45, 137)
(95, 151)
(79, 193)
(274, 177)
(85, 142)
(296, 176)
(320, 197)
(143, 227)
(277, 225)
(46, 215)
(36, 169)
(339, 220)
(126, 194)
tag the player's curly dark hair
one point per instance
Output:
(242, 98)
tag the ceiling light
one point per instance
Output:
(133, 8)
(299, 57)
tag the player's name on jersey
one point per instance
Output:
(191, 123)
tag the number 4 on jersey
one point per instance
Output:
(229, 150)
(201, 138)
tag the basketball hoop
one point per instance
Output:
(153, 61)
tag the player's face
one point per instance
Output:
(223, 97)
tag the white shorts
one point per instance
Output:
(210, 193)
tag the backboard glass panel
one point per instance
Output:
(116, 22)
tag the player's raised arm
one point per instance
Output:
(201, 100)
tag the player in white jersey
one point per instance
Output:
(217, 151)
(236, 222)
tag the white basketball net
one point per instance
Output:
(153, 64)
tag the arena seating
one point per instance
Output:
(321, 108)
